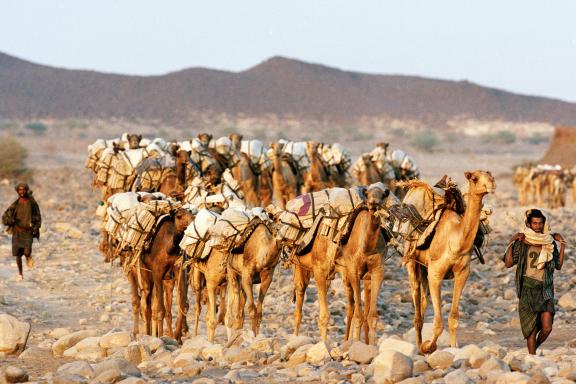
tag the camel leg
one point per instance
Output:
(324, 317)
(145, 298)
(168, 292)
(197, 286)
(211, 312)
(221, 316)
(232, 303)
(247, 288)
(349, 307)
(357, 318)
(414, 278)
(265, 281)
(135, 295)
(376, 279)
(435, 284)
(460, 279)
(182, 304)
(301, 281)
(157, 305)
(367, 301)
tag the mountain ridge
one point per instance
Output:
(278, 86)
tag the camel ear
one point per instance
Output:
(468, 175)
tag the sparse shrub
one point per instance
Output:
(453, 137)
(6, 124)
(537, 138)
(12, 158)
(425, 140)
(398, 132)
(36, 127)
(500, 137)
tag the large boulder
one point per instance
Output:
(13, 334)
(115, 339)
(80, 368)
(391, 366)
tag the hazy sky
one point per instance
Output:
(525, 46)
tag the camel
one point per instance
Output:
(318, 262)
(158, 263)
(317, 177)
(134, 141)
(366, 172)
(522, 183)
(362, 258)
(447, 256)
(255, 265)
(210, 272)
(285, 179)
(247, 173)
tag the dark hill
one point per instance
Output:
(278, 86)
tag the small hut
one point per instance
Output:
(562, 149)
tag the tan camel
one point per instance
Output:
(363, 259)
(285, 179)
(255, 265)
(448, 255)
(317, 177)
(522, 182)
(210, 274)
(366, 172)
(319, 263)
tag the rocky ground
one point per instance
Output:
(80, 313)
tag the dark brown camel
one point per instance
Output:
(158, 264)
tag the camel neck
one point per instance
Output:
(471, 221)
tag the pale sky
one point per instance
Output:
(524, 46)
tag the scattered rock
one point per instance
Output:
(427, 334)
(13, 334)
(109, 376)
(491, 365)
(394, 344)
(568, 300)
(457, 377)
(318, 354)
(80, 368)
(391, 365)
(70, 340)
(124, 366)
(440, 359)
(116, 339)
(14, 375)
(362, 353)
(296, 342)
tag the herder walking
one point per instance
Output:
(23, 219)
(536, 255)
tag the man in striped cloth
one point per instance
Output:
(536, 255)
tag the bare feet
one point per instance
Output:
(30, 262)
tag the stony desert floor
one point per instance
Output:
(71, 289)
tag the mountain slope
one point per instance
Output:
(279, 86)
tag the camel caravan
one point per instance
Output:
(544, 185)
(218, 216)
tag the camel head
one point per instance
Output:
(366, 159)
(134, 141)
(376, 195)
(480, 182)
(204, 138)
(236, 140)
(212, 176)
(182, 218)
